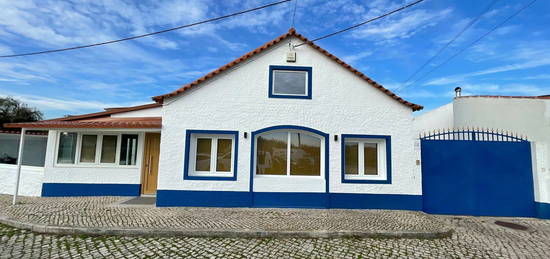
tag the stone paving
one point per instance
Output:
(103, 212)
(474, 237)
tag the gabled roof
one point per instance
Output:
(98, 120)
(291, 32)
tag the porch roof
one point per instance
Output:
(103, 122)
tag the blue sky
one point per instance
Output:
(513, 60)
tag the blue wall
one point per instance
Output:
(543, 210)
(86, 189)
(167, 198)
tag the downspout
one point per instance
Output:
(19, 163)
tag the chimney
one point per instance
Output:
(458, 91)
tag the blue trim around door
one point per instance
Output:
(188, 134)
(289, 127)
(290, 68)
(89, 189)
(388, 158)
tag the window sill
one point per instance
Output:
(363, 179)
(210, 177)
(289, 176)
(96, 166)
(290, 96)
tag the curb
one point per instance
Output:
(247, 233)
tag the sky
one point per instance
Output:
(512, 60)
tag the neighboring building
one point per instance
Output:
(274, 128)
(528, 116)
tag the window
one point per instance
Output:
(108, 149)
(88, 149)
(97, 149)
(366, 158)
(290, 82)
(288, 153)
(128, 149)
(34, 150)
(211, 155)
(67, 148)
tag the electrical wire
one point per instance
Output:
(363, 23)
(148, 34)
(294, 13)
(471, 44)
(450, 42)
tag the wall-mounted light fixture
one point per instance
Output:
(335, 137)
(246, 135)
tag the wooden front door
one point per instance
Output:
(150, 163)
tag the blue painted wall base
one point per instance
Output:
(172, 198)
(375, 201)
(543, 210)
(86, 189)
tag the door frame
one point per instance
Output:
(144, 161)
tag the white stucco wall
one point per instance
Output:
(151, 112)
(530, 117)
(30, 181)
(90, 174)
(439, 118)
(342, 103)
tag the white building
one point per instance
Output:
(274, 128)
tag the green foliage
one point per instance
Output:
(12, 110)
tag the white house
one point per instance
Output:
(277, 127)
(525, 115)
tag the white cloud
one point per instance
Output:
(498, 69)
(69, 105)
(401, 26)
(356, 57)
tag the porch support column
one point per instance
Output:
(19, 163)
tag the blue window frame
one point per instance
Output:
(214, 146)
(364, 146)
(292, 72)
(253, 145)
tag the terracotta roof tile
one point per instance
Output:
(291, 32)
(108, 123)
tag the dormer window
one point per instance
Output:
(289, 82)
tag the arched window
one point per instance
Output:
(289, 152)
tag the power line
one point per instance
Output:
(472, 43)
(294, 13)
(148, 34)
(449, 43)
(363, 23)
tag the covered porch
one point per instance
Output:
(115, 152)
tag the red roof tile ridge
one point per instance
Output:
(291, 32)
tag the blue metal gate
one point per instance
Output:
(477, 172)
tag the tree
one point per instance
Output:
(12, 110)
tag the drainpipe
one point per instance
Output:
(19, 162)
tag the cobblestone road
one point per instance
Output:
(474, 237)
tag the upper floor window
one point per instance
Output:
(290, 82)
(103, 149)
